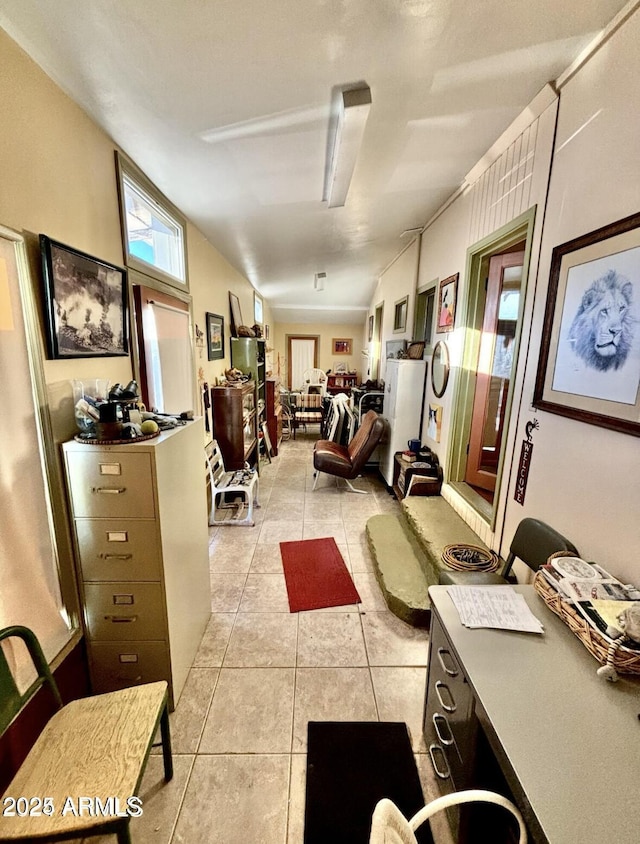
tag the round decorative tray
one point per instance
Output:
(469, 558)
(96, 441)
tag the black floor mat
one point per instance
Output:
(350, 767)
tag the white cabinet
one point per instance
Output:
(141, 537)
(403, 400)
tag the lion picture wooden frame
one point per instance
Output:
(589, 365)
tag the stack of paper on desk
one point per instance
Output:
(494, 606)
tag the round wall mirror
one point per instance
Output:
(440, 368)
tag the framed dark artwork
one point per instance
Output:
(589, 366)
(447, 298)
(371, 328)
(215, 336)
(236, 315)
(342, 347)
(86, 303)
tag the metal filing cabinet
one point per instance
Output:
(141, 537)
(450, 724)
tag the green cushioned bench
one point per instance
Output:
(407, 552)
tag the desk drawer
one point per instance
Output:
(117, 665)
(112, 550)
(110, 485)
(124, 611)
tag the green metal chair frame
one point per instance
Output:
(144, 706)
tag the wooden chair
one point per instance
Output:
(310, 411)
(92, 749)
(225, 485)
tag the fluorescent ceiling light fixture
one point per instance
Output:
(318, 281)
(352, 116)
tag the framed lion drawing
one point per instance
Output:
(589, 367)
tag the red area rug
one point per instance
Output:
(316, 575)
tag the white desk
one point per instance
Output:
(567, 741)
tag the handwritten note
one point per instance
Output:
(494, 606)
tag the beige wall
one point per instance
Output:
(58, 177)
(212, 278)
(584, 477)
(326, 333)
(397, 281)
(584, 480)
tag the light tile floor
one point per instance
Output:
(239, 730)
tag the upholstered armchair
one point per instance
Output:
(348, 461)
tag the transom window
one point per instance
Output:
(154, 231)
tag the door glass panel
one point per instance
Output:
(500, 373)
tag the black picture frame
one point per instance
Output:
(215, 336)
(87, 306)
(593, 277)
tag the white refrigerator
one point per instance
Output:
(403, 399)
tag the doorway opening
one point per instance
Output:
(423, 321)
(302, 354)
(376, 348)
(497, 272)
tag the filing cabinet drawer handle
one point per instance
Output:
(121, 619)
(115, 556)
(440, 687)
(433, 749)
(109, 490)
(451, 669)
(440, 719)
(137, 679)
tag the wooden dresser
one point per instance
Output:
(141, 537)
(341, 382)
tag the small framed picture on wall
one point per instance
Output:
(215, 336)
(448, 296)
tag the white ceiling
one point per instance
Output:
(226, 106)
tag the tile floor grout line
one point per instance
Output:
(182, 799)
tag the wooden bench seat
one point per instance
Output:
(93, 749)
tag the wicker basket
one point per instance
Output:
(626, 661)
(469, 558)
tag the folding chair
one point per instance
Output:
(93, 748)
(227, 485)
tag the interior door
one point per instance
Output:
(495, 365)
(303, 355)
(377, 343)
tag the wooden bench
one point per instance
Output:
(82, 776)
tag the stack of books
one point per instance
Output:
(408, 456)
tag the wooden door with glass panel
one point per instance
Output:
(495, 364)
